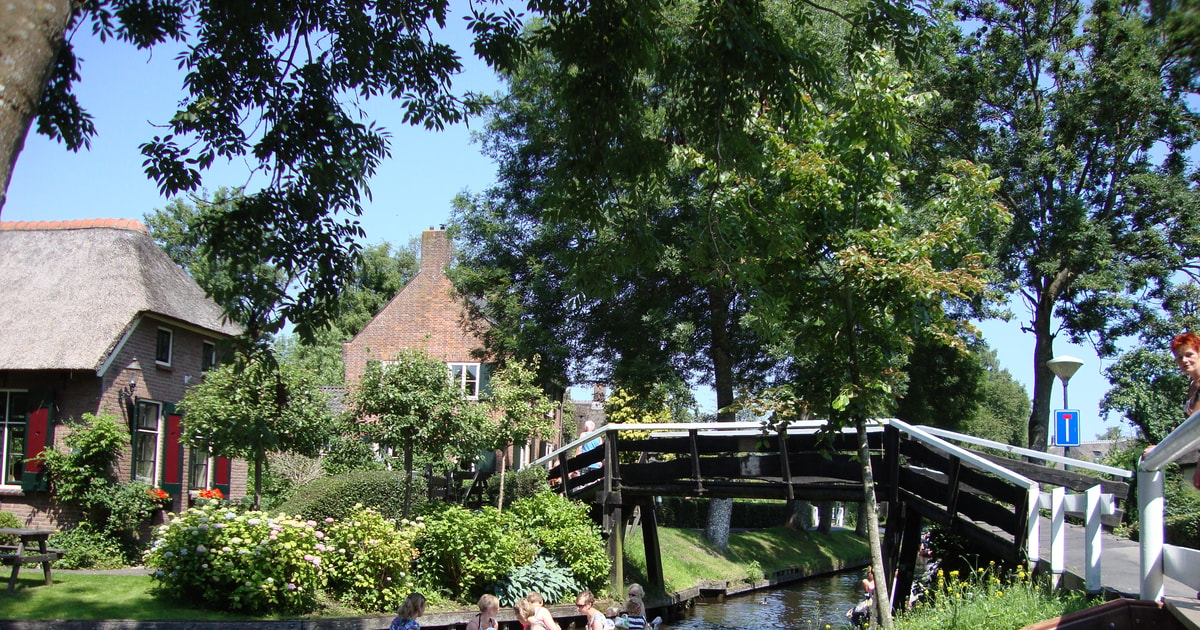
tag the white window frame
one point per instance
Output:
(145, 433)
(460, 380)
(170, 346)
(6, 426)
(209, 467)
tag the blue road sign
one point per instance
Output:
(1066, 427)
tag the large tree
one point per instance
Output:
(846, 270)
(278, 84)
(409, 404)
(249, 408)
(1076, 107)
(602, 246)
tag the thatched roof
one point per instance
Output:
(70, 289)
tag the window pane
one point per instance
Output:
(14, 451)
(198, 475)
(147, 446)
(208, 356)
(148, 416)
(163, 353)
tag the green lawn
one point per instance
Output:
(688, 559)
(94, 596)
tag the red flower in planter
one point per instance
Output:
(158, 494)
(214, 493)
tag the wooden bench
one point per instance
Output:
(24, 552)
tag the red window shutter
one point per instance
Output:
(223, 474)
(172, 468)
(38, 437)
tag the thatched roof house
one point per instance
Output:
(98, 319)
(72, 289)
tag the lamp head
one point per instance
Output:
(1064, 366)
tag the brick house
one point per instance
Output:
(429, 315)
(98, 319)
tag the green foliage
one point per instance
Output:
(463, 551)
(240, 561)
(1147, 390)
(562, 530)
(348, 454)
(339, 496)
(546, 576)
(369, 559)
(87, 547)
(83, 476)
(526, 482)
(244, 410)
(986, 599)
(10, 520)
(93, 445)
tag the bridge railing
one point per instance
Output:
(1157, 558)
(584, 470)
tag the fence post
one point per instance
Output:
(1058, 542)
(1150, 507)
(1093, 540)
(1032, 528)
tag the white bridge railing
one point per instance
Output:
(1159, 559)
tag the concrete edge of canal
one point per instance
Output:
(444, 620)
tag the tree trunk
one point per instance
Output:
(720, 511)
(883, 608)
(799, 515)
(1043, 379)
(860, 525)
(825, 514)
(31, 36)
(408, 478)
(503, 461)
(258, 467)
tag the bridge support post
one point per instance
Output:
(616, 547)
(910, 548)
(654, 569)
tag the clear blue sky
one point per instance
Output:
(129, 91)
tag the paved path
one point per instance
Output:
(1120, 562)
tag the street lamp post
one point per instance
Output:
(1065, 367)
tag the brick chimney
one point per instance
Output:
(435, 250)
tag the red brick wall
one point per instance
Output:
(426, 314)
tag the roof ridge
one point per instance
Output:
(76, 224)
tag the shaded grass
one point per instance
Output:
(91, 596)
(688, 559)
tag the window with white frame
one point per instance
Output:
(465, 376)
(146, 441)
(199, 468)
(162, 349)
(15, 412)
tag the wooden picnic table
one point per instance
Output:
(24, 552)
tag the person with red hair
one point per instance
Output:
(1186, 349)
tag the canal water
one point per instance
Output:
(810, 604)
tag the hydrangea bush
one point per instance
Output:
(241, 561)
(369, 559)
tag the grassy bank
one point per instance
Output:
(689, 560)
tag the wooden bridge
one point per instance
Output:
(919, 477)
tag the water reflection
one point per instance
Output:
(810, 604)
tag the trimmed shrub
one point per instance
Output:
(246, 562)
(562, 530)
(337, 497)
(463, 551)
(369, 559)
